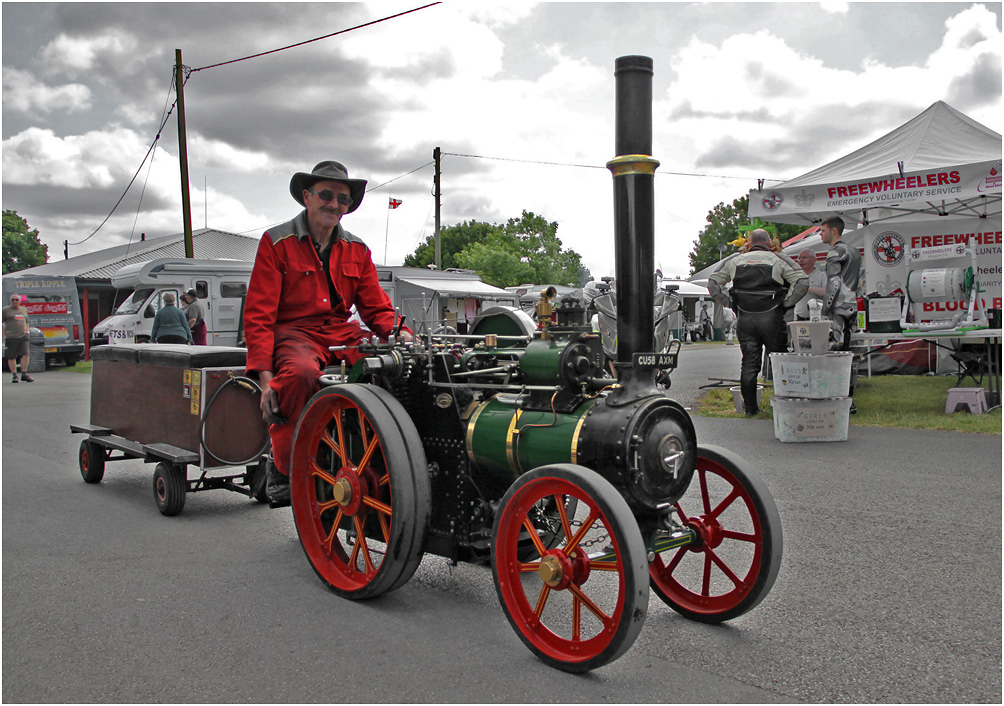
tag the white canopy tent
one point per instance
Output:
(940, 164)
(908, 200)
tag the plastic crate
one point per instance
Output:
(798, 419)
(812, 376)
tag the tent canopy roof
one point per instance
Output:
(461, 288)
(939, 163)
(940, 136)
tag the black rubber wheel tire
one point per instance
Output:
(358, 439)
(169, 488)
(591, 606)
(92, 461)
(732, 506)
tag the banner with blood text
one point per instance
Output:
(892, 252)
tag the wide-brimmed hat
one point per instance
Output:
(328, 171)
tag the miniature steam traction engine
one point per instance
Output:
(580, 489)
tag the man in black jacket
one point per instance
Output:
(764, 285)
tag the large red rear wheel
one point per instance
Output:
(578, 599)
(360, 490)
(736, 559)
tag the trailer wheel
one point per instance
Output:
(579, 604)
(360, 490)
(92, 461)
(734, 565)
(169, 488)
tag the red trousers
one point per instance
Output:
(300, 354)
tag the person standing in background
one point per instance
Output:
(15, 331)
(764, 284)
(843, 271)
(170, 324)
(817, 284)
(196, 317)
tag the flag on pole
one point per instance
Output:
(394, 203)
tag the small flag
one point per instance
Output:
(394, 203)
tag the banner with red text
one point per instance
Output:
(924, 190)
(891, 252)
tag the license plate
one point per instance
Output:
(50, 350)
(654, 360)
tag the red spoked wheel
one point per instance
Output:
(736, 559)
(360, 490)
(579, 599)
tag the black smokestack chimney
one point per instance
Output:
(633, 171)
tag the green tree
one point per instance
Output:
(724, 221)
(524, 250)
(497, 264)
(537, 243)
(452, 240)
(21, 247)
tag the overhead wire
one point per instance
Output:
(187, 74)
(316, 39)
(139, 207)
(153, 145)
(595, 166)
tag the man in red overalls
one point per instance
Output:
(307, 275)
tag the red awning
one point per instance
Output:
(800, 237)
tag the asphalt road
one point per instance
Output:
(889, 590)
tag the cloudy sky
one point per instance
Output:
(519, 96)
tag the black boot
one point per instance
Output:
(277, 486)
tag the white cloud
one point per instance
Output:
(22, 92)
(76, 55)
(835, 6)
(216, 154)
(474, 49)
(96, 159)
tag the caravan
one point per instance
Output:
(221, 286)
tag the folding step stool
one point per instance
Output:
(972, 397)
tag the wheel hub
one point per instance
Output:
(343, 492)
(550, 571)
(348, 491)
(709, 530)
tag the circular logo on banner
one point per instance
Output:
(772, 201)
(889, 248)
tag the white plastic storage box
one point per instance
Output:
(800, 419)
(809, 336)
(813, 376)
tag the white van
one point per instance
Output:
(221, 286)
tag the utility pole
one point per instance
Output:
(438, 193)
(186, 202)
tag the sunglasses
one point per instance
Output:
(329, 195)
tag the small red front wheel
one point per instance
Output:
(170, 483)
(738, 554)
(578, 598)
(92, 461)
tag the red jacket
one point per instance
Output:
(288, 284)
